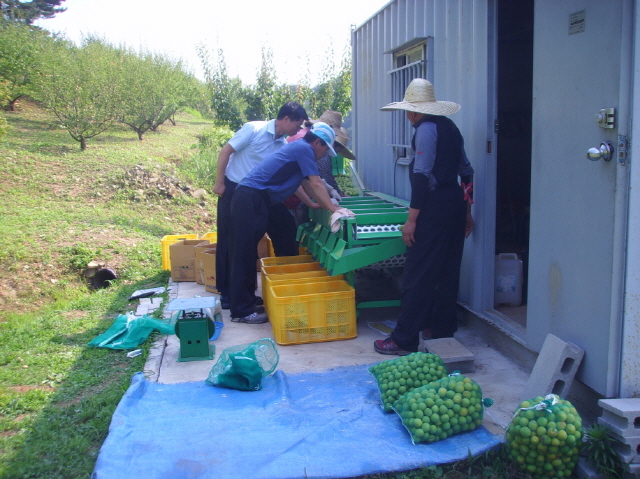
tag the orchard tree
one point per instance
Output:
(266, 97)
(28, 12)
(153, 89)
(80, 85)
(20, 47)
(228, 95)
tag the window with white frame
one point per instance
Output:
(409, 63)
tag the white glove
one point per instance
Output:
(333, 193)
(337, 214)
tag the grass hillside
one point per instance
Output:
(61, 208)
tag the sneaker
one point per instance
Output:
(253, 318)
(388, 346)
(258, 308)
(426, 334)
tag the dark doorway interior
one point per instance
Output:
(515, 81)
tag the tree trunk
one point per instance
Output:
(140, 133)
(83, 143)
(12, 104)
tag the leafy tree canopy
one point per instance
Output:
(29, 12)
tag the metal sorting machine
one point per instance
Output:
(372, 238)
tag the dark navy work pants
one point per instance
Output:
(431, 276)
(281, 228)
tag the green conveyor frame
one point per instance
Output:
(373, 236)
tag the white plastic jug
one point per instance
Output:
(508, 280)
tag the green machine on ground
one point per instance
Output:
(195, 326)
(374, 236)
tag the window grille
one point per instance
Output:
(400, 79)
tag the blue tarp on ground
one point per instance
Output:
(309, 425)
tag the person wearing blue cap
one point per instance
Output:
(273, 180)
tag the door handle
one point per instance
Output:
(605, 152)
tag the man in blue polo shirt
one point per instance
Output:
(277, 177)
(248, 147)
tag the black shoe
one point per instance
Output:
(258, 308)
(258, 301)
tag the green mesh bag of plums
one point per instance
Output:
(398, 376)
(544, 437)
(442, 408)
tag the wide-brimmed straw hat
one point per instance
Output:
(340, 145)
(332, 118)
(420, 98)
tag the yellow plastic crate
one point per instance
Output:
(212, 237)
(313, 312)
(275, 269)
(167, 241)
(293, 278)
(281, 260)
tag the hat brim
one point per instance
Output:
(441, 108)
(343, 151)
(336, 130)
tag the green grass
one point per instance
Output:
(61, 208)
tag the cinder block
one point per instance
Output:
(622, 416)
(555, 368)
(142, 309)
(627, 448)
(454, 355)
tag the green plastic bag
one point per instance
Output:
(243, 367)
(129, 331)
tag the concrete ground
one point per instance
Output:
(500, 378)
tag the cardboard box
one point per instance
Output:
(202, 247)
(183, 260)
(263, 250)
(208, 258)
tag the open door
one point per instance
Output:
(513, 157)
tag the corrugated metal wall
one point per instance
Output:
(458, 33)
(458, 70)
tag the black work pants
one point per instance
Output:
(250, 216)
(222, 249)
(431, 276)
(281, 228)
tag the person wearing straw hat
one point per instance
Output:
(274, 179)
(438, 222)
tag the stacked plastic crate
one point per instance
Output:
(304, 303)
